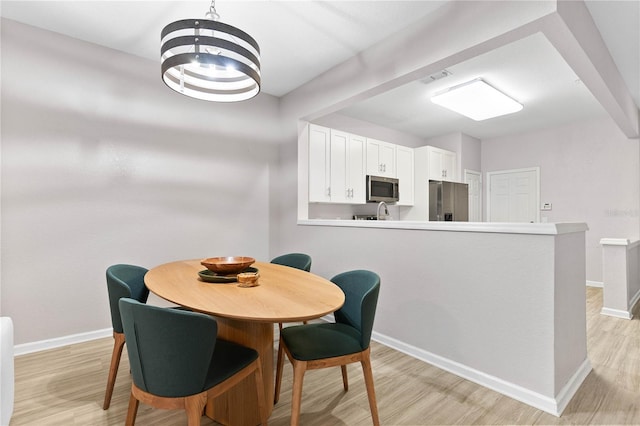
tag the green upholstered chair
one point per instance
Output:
(295, 260)
(122, 281)
(322, 345)
(177, 362)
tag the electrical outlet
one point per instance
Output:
(546, 206)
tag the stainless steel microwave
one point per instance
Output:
(382, 189)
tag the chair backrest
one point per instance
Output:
(125, 281)
(295, 260)
(361, 290)
(170, 350)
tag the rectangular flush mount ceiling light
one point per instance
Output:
(477, 100)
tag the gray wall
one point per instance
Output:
(102, 164)
(590, 173)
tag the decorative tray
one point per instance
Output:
(212, 277)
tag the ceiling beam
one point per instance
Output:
(574, 34)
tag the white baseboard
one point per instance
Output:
(633, 302)
(618, 313)
(553, 406)
(566, 393)
(42, 345)
(599, 284)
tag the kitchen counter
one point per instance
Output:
(490, 227)
(500, 304)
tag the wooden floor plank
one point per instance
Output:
(65, 386)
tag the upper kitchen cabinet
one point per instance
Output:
(336, 166)
(442, 164)
(404, 171)
(381, 158)
(347, 181)
(319, 164)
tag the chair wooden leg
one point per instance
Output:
(194, 405)
(118, 344)
(368, 380)
(345, 379)
(279, 367)
(299, 367)
(132, 411)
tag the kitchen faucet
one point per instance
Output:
(386, 211)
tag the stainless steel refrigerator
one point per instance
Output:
(448, 201)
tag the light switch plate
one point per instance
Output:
(546, 206)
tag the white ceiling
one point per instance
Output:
(529, 70)
(300, 40)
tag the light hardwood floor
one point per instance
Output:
(66, 386)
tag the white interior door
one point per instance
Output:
(474, 180)
(514, 195)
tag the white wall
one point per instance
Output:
(471, 158)
(369, 130)
(590, 173)
(103, 164)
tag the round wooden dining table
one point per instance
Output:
(246, 315)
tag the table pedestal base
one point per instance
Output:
(239, 406)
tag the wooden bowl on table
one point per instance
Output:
(228, 265)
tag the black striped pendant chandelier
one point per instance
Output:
(210, 60)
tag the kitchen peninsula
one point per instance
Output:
(500, 304)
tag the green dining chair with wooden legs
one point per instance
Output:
(300, 261)
(295, 260)
(322, 345)
(122, 281)
(177, 361)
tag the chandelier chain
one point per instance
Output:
(215, 16)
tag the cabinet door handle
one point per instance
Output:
(329, 192)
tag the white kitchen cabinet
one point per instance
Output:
(442, 164)
(404, 171)
(319, 164)
(347, 174)
(336, 166)
(381, 158)
(356, 173)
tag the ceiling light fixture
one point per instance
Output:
(477, 100)
(207, 59)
